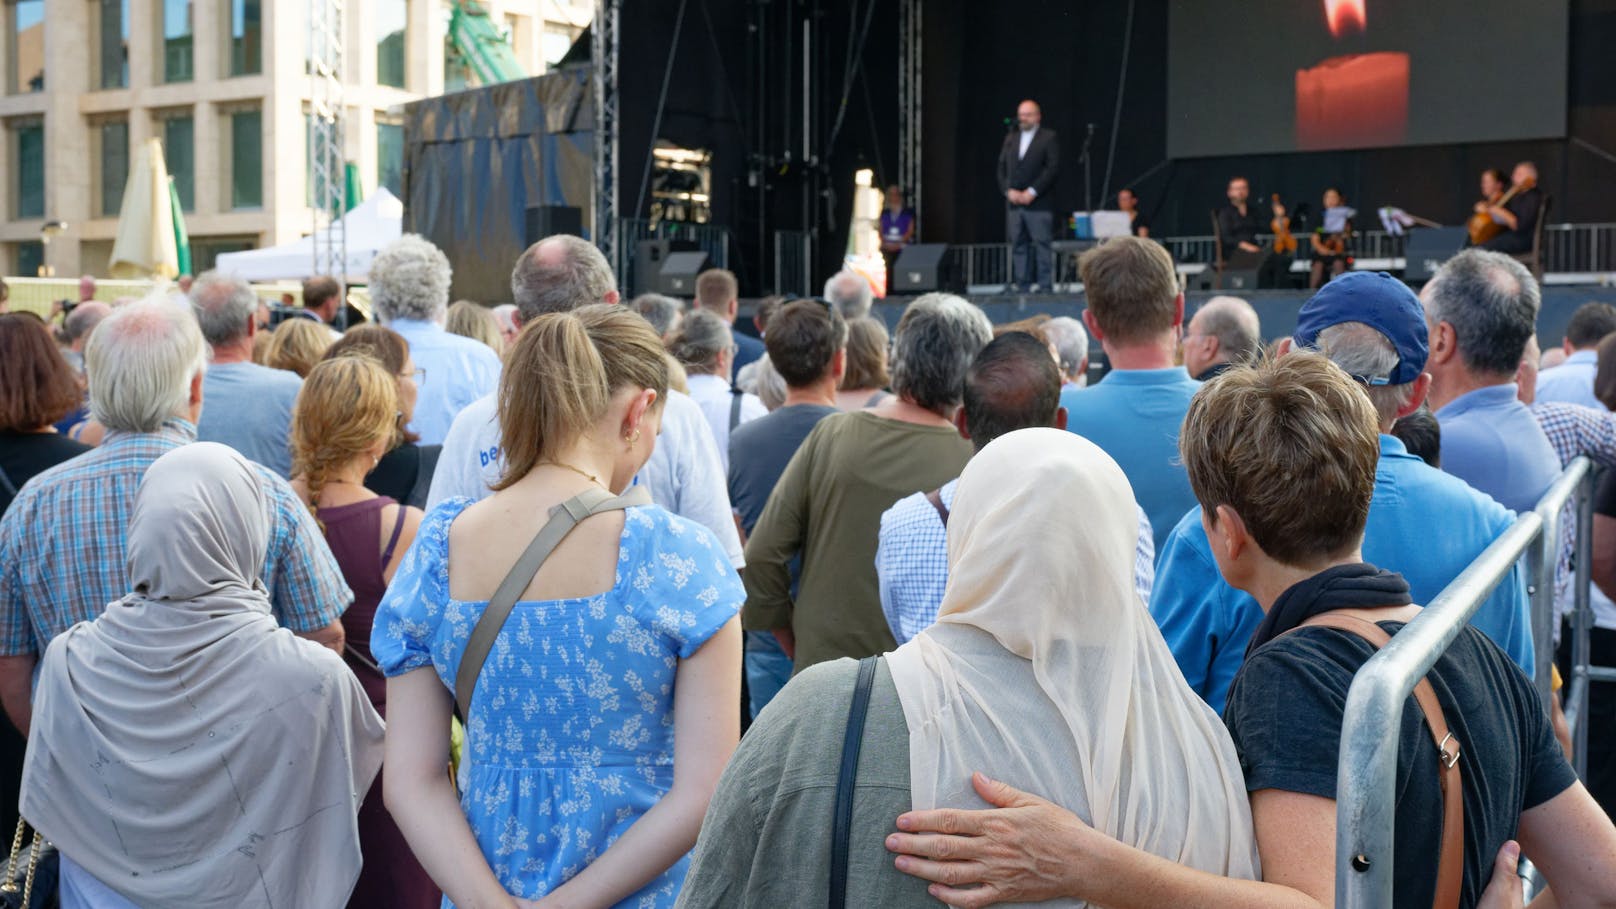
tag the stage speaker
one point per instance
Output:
(548, 220)
(1242, 279)
(1428, 247)
(648, 258)
(919, 269)
(677, 278)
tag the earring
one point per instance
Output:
(632, 437)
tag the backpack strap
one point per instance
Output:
(563, 518)
(735, 398)
(852, 744)
(1450, 865)
(935, 497)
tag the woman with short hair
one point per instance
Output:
(603, 707)
(705, 347)
(866, 380)
(296, 345)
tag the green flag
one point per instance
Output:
(353, 192)
(182, 240)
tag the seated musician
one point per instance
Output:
(1517, 213)
(1128, 203)
(1330, 239)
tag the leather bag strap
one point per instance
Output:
(935, 497)
(563, 518)
(852, 743)
(1450, 865)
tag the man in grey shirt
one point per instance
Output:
(249, 406)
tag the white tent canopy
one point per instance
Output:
(371, 225)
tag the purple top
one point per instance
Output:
(895, 225)
(352, 531)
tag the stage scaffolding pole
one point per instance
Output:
(604, 60)
(327, 129)
(910, 104)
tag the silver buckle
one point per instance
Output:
(1448, 757)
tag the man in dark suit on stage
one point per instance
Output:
(1028, 162)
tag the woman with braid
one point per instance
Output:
(346, 418)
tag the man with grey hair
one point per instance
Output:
(827, 506)
(1482, 309)
(62, 540)
(76, 330)
(251, 405)
(664, 313)
(850, 293)
(409, 291)
(560, 274)
(1072, 346)
(1223, 332)
(1372, 327)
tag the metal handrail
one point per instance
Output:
(1370, 726)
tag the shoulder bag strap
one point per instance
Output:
(1450, 866)
(7, 488)
(735, 397)
(852, 743)
(563, 518)
(935, 497)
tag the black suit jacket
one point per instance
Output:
(1036, 170)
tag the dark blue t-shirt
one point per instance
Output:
(759, 452)
(1284, 713)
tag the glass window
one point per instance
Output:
(114, 52)
(27, 50)
(205, 251)
(30, 257)
(114, 165)
(392, 20)
(179, 151)
(31, 171)
(177, 41)
(246, 37)
(246, 159)
(390, 157)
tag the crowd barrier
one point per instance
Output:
(1367, 772)
(39, 295)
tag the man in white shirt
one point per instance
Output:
(559, 274)
(1572, 382)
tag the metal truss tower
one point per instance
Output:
(604, 46)
(327, 20)
(910, 104)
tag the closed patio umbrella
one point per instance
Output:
(145, 246)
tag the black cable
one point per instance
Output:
(883, 178)
(1116, 116)
(847, 83)
(662, 100)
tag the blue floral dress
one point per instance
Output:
(570, 738)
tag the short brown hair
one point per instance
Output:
(385, 346)
(1291, 445)
(715, 287)
(1131, 287)
(802, 339)
(867, 343)
(560, 377)
(37, 386)
(318, 289)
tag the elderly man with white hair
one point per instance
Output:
(409, 291)
(1072, 348)
(62, 540)
(1223, 332)
(252, 404)
(850, 293)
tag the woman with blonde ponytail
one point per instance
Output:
(604, 709)
(346, 417)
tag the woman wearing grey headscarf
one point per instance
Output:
(186, 750)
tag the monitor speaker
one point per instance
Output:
(677, 278)
(548, 220)
(648, 258)
(1242, 279)
(919, 269)
(1428, 247)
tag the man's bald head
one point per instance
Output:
(1029, 114)
(559, 274)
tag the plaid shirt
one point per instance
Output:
(1574, 431)
(62, 544)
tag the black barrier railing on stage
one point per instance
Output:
(793, 263)
(710, 238)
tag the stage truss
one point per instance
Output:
(603, 63)
(327, 123)
(910, 45)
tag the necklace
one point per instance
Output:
(585, 474)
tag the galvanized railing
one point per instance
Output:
(1366, 799)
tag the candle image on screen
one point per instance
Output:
(1352, 100)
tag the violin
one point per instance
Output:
(1284, 240)
(1482, 226)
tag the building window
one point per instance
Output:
(178, 42)
(30, 258)
(246, 159)
(205, 251)
(179, 151)
(30, 149)
(25, 35)
(246, 37)
(390, 157)
(392, 24)
(114, 161)
(114, 52)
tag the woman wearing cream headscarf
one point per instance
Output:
(186, 750)
(1044, 670)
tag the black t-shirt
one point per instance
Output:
(1284, 713)
(1524, 206)
(759, 452)
(1140, 222)
(24, 454)
(1237, 228)
(404, 474)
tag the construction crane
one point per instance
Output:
(482, 45)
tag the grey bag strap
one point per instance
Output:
(563, 518)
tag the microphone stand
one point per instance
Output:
(1088, 201)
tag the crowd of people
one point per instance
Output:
(594, 602)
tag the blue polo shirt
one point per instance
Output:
(1491, 441)
(1422, 523)
(1134, 415)
(1572, 382)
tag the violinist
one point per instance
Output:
(1506, 222)
(1330, 239)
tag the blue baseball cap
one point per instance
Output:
(1383, 303)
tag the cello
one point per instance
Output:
(1284, 240)
(1482, 226)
